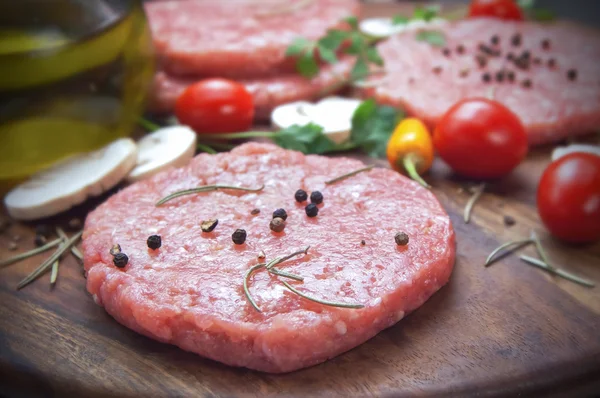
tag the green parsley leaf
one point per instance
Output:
(299, 46)
(307, 65)
(352, 21)
(526, 4)
(333, 39)
(425, 13)
(306, 139)
(360, 69)
(357, 44)
(372, 126)
(433, 37)
(374, 57)
(327, 55)
(542, 14)
(399, 20)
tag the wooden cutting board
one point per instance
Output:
(500, 331)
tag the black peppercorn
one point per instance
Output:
(446, 51)
(209, 225)
(120, 260)
(154, 242)
(316, 197)
(526, 83)
(277, 224)
(280, 213)
(239, 236)
(500, 76)
(546, 44)
(255, 211)
(40, 240)
(401, 239)
(311, 210)
(486, 77)
(460, 49)
(115, 249)
(495, 40)
(516, 40)
(571, 74)
(551, 63)
(300, 195)
(510, 75)
(362, 242)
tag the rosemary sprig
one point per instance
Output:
(540, 249)
(279, 260)
(246, 290)
(205, 148)
(278, 272)
(478, 191)
(74, 250)
(54, 273)
(516, 245)
(205, 188)
(30, 253)
(557, 271)
(352, 173)
(324, 302)
(46, 264)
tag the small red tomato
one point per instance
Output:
(503, 9)
(568, 198)
(480, 138)
(215, 106)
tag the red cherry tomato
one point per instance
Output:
(480, 138)
(568, 198)
(503, 9)
(215, 106)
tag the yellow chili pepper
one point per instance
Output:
(410, 149)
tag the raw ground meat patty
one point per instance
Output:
(240, 39)
(267, 92)
(426, 82)
(189, 292)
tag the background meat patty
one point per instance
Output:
(238, 39)
(548, 74)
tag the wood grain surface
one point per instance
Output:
(507, 330)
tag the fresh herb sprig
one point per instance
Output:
(326, 48)
(270, 268)
(535, 13)
(419, 14)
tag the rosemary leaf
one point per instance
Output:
(540, 249)
(324, 302)
(246, 290)
(286, 274)
(516, 245)
(557, 271)
(279, 260)
(46, 264)
(469, 207)
(74, 250)
(352, 173)
(54, 273)
(204, 188)
(30, 253)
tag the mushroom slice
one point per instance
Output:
(172, 146)
(72, 181)
(334, 114)
(381, 28)
(561, 151)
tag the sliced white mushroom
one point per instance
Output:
(561, 151)
(172, 146)
(72, 181)
(334, 114)
(384, 27)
